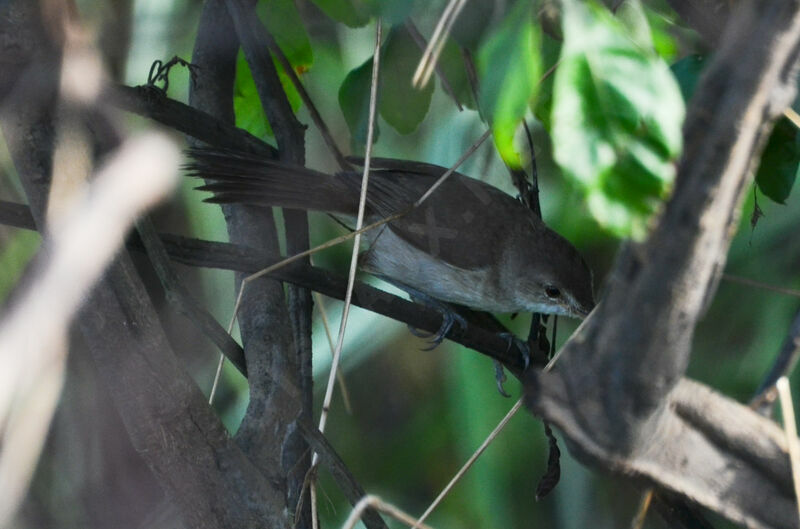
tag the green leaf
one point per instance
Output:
(352, 13)
(475, 19)
(617, 115)
(663, 29)
(400, 104)
(543, 104)
(354, 102)
(284, 23)
(452, 64)
(632, 16)
(780, 162)
(508, 65)
(246, 103)
(393, 12)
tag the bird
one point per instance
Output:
(468, 243)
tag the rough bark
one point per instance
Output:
(268, 431)
(293, 363)
(201, 469)
(617, 392)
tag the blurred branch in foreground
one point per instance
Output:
(33, 336)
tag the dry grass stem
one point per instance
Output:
(374, 502)
(641, 512)
(430, 57)
(790, 427)
(474, 457)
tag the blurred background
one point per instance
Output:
(411, 417)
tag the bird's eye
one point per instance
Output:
(552, 292)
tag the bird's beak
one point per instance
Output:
(583, 311)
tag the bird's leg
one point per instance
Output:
(449, 316)
(514, 341)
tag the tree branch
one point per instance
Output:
(166, 416)
(617, 393)
(481, 335)
(150, 102)
(293, 362)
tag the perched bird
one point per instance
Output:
(469, 243)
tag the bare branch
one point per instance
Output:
(617, 392)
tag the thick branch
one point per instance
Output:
(151, 102)
(165, 414)
(294, 362)
(263, 318)
(707, 17)
(483, 336)
(614, 390)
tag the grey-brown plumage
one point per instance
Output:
(468, 243)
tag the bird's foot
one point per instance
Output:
(521, 345)
(449, 316)
(449, 319)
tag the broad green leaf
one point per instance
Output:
(247, 105)
(779, 162)
(508, 65)
(663, 40)
(633, 18)
(284, 23)
(349, 12)
(392, 12)
(354, 102)
(617, 115)
(473, 21)
(400, 104)
(451, 63)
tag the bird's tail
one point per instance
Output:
(242, 178)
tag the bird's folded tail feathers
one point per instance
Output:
(242, 178)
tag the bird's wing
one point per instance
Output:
(465, 222)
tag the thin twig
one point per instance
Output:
(316, 117)
(792, 116)
(764, 286)
(351, 277)
(430, 57)
(151, 103)
(783, 365)
(474, 457)
(374, 502)
(450, 171)
(338, 470)
(312, 493)
(420, 40)
(790, 427)
(362, 204)
(641, 512)
(576, 332)
(178, 294)
(339, 375)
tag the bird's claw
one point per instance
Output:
(500, 378)
(524, 350)
(449, 318)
